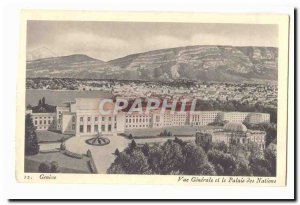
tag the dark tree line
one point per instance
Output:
(42, 107)
(31, 142)
(179, 157)
(49, 167)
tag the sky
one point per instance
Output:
(110, 40)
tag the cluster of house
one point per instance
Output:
(251, 93)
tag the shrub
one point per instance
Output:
(62, 146)
(117, 152)
(45, 167)
(63, 139)
(49, 151)
(54, 167)
(89, 153)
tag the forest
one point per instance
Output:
(176, 157)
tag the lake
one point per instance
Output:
(57, 97)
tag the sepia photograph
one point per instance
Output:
(151, 98)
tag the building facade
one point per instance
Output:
(233, 133)
(43, 121)
(83, 118)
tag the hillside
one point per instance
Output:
(219, 63)
(38, 53)
(73, 66)
(207, 63)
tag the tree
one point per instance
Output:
(271, 134)
(117, 152)
(221, 146)
(172, 158)
(31, 142)
(45, 167)
(224, 163)
(146, 149)
(196, 162)
(133, 144)
(40, 102)
(62, 146)
(154, 158)
(258, 166)
(208, 169)
(43, 101)
(180, 141)
(130, 136)
(271, 156)
(205, 143)
(132, 163)
(116, 168)
(242, 167)
(54, 167)
(89, 153)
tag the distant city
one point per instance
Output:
(250, 93)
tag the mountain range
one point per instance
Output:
(205, 63)
(38, 53)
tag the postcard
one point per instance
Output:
(152, 98)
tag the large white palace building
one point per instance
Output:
(83, 118)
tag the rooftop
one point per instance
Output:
(235, 127)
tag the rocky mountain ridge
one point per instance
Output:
(206, 63)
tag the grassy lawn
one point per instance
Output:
(50, 136)
(178, 130)
(66, 164)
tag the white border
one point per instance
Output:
(93, 191)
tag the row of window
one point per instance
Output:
(200, 123)
(43, 122)
(136, 126)
(138, 120)
(137, 116)
(49, 117)
(96, 119)
(96, 128)
(41, 128)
